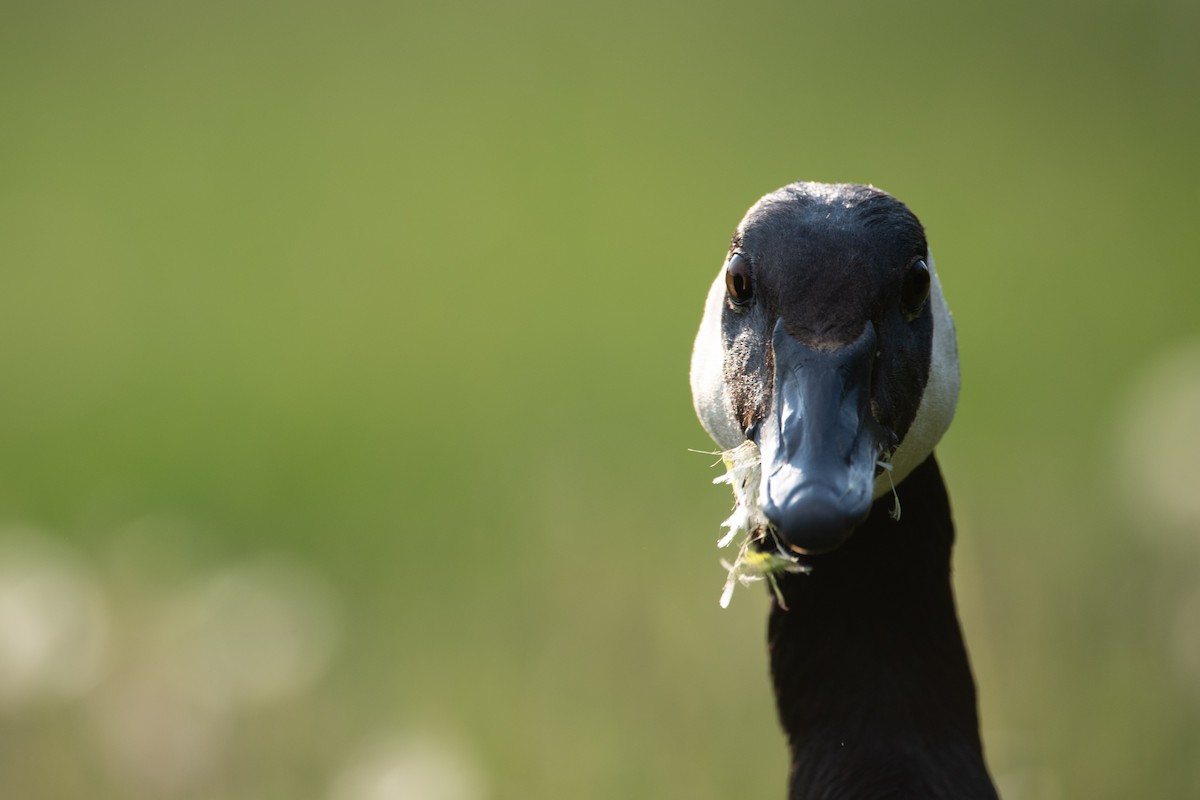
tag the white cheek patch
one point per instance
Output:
(939, 399)
(710, 396)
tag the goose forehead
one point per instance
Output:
(810, 228)
(826, 284)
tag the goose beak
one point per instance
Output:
(819, 442)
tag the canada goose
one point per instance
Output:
(826, 342)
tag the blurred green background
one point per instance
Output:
(344, 417)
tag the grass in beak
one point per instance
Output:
(743, 472)
(885, 463)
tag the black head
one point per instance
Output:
(819, 344)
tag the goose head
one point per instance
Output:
(827, 342)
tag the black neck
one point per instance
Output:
(871, 676)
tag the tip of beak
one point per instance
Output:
(814, 519)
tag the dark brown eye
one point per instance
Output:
(915, 291)
(737, 280)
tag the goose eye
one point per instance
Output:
(915, 291)
(737, 280)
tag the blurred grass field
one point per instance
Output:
(344, 417)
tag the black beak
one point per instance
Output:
(819, 442)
